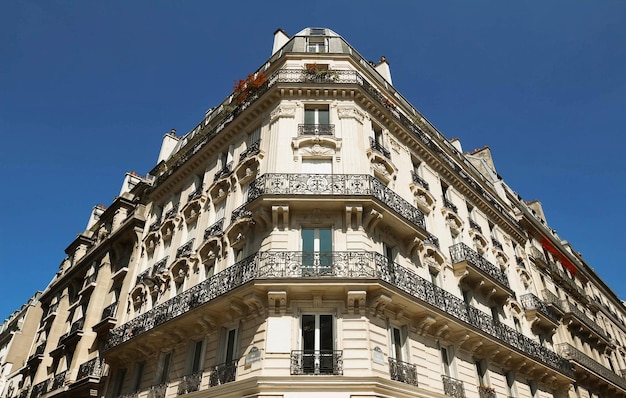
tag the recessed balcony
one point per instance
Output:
(477, 272)
(89, 284)
(74, 334)
(190, 383)
(107, 321)
(90, 371)
(540, 316)
(317, 362)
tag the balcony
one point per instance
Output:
(40, 389)
(378, 147)
(474, 225)
(38, 354)
(240, 212)
(571, 312)
(316, 129)
(58, 381)
(223, 172)
(320, 362)
(486, 392)
(90, 370)
(264, 268)
(589, 364)
(52, 311)
(190, 383)
(89, 284)
(419, 180)
(223, 373)
(449, 205)
(107, 321)
(252, 150)
(475, 269)
(453, 387)
(403, 372)
(75, 333)
(214, 230)
(497, 244)
(538, 313)
(157, 391)
(155, 225)
(185, 250)
(340, 185)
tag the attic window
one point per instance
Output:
(317, 32)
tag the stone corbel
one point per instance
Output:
(254, 303)
(424, 323)
(380, 302)
(354, 212)
(372, 219)
(280, 217)
(356, 301)
(277, 302)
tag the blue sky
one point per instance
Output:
(87, 90)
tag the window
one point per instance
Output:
(220, 210)
(316, 115)
(119, 382)
(163, 368)
(495, 315)
(518, 326)
(378, 134)
(317, 31)
(196, 356)
(533, 388)
(317, 246)
(230, 346)
(317, 44)
(481, 373)
(317, 166)
(138, 375)
(254, 137)
(317, 343)
(446, 361)
(398, 344)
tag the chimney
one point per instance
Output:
(167, 146)
(457, 144)
(383, 68)
(280, 39)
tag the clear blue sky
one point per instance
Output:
(87, 90)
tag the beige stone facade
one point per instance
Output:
(314, 235)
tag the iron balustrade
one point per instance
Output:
(453, 387)
(109, 311)
(537, 255)
(224, 171)
(581, 316)
(461, 252)
(403, 371)
(342, 265)
(185, 250)
(378, 147)
(551, 298)
(158, 391)
(496, 243)
(419, 180)
(159, 267)
(572, 353)
(240, 212)
(195, 194)
(316, 362)
(58, 380)
(214, 230)
(38, 352)
(143, 276)
(91, 368)
(23, 393)
(449, 205)
(335, 185)
(486, 392)
(252, 150)
(433, 240)
(316, 129)
(190, 383)
(77, 327)
(90, 279)
(129, 395)
(52, 309)
(172, 212)
(223, 373)
(474, 225)
(532, 302)
(40, 389)
(155, 225)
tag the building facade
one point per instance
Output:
(315, 235)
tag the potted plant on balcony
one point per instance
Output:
(486, 391)
(319, 73)
(243, 88)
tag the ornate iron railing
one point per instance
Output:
(38, 351)
(223, 373)
(224, 171)
(486, 392)
(537, 255)
(185, 250)
(129, 395)
(532, 302)
(551, 298)
(419, 180)
(90, 279)
(461, 252)
(76, 328)
(449, 205)
(190, 383)
(335, 184)
(240, 212)
(317, 362)
(143, 276)
(58, 381)
(496, 243)
(23, 393)
(591, 324)
(474, 225)
(403, 371)
(171, 212)
(378, 147)
(52, 309)
(252, 150)
(159, 267)
(40, 389)
(91, 368)
(433, 240)
(214, 230)
(316, 129)
(158, 391)
(109, 311)
(570, 352)
(453, 387)
(342, 265)
(195, 194)
(155, 225)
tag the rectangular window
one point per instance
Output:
(480, 373)
(138, 375)
(230, 351)
(317, 343)
(398, 344)
(317, 246)
(317, 44)
(510, 384)
(446, 361)
(197, 356)
(163, 368)
(119, 382)
(316, 115)
(220, 210)
(254, 136)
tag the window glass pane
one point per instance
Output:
(308, 332)
(230, 346)
(326, 332)
(309, 116)
(326, 240)
(323, 117)
(397, 344)
(197, 353)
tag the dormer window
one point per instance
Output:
(317, 31)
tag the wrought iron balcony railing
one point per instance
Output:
(214, 230)
(532, 302)
(316, 129)
(155, 225)
(223, 373)
(109, 311)
(317, 362)
(75, 329)
(90, 279)
(224, 171)
(433, 240)
(378, 147)
(252, 150)
(195, 194)
(496, 243)
(461, 252)
(474, 225)
(52, 309)
(40, 389)
(335, 185)
(171, 212)
(160, 266)
(449, 205)
(190, 383)
(570, 352)
(591, 324)
(552, 299)
(185, 250)
(403, 371)
(58, 380)
(419, 180)
(38, 352)
(486, 392)
(342, 265)
(453, 387)
(91, 368)
(157, 391)
(240, 212)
